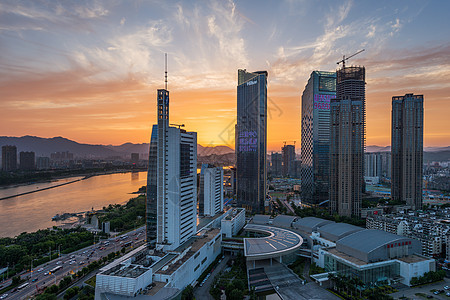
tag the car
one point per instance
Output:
(34, 279)
(448, 294)
(81, 262)
(72, 256)
(446, 287)
(436, 292)
(41, 269)
(59, 262)
(4, 296)
(429, 296)
(46, 273)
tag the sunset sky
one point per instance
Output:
(89, 70)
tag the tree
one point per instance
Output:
(236, 295)
(215, 292)
(15, 280)
(188, 293)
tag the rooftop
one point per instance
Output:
(261, 219)
(310, 224)
(131, 271)
(336, 231)
(284, 221)
(279, 240)
(190, 247)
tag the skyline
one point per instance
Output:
(89, 71)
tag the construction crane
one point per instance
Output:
(289, 141)
(346, 58)
(178, 125)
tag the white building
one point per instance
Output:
(210, 200)
(233, 222)
(176, 181)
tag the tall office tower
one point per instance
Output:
(9, 158)
(251, 140)
(347, 142)
(407, 149)
(27, 161)
(151, 206)
(210, 197)
(176, 182)
(277, 163)
(288, 152)
(315, 165)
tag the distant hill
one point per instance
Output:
(46, 146)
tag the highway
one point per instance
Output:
(72, 263)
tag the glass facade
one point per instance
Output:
(251, 140)
(151, 189)
(315, 144)
(369, 274)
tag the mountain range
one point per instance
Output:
(46, 146)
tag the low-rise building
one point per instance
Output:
(233, 222)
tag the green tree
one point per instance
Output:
(15, 280)
(236, 295)
(188, 293)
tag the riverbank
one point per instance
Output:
(62, 184)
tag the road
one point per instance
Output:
(202, 292)
(73, 262)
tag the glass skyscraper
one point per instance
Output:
(407, 149)
(251, 140)
(321, 88)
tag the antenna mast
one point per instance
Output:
(165, 72)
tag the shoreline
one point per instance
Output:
(65, 183)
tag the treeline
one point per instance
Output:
(325, 214)
(428, 277)
(18, 253)
(125, 217)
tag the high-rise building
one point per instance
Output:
(347, 142)
(134, 158)
(151, 207)
(27, 161)
(372, 167)
(315, 144)
(42, 163)
(176, 181)
(386, 164)
(288, 153)
(9, 158)
(210, 197)
(251, 140)
(277, 163)
(407, 149)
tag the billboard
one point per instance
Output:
(322, 102)
(248, 141)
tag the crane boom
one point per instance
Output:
(346, 58)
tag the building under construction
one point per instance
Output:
(347, 142)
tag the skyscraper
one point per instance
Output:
(176, 181)
(277, 164)
(251, 140)
(9, 158)
(27, 160)
(347, 142)
(210, 197)
(288, 152)
(407, 149)
(315, 145)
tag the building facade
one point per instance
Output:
(176, 181)
(347, 142)
(151, 207)
(27, 161)
(315, 143)
(276, 165)
(407, 149)
(9, 158)
(288, 153)
(43, 163)
(210, 197)
(251, 140)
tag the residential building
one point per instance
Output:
(347, 142)
(315, 132)
(277, 163)
(288, 153)
(134, 158)
(27, 161)
(251, 140)
(42, 163)
(9, 158)
(407, 149)
(210, 197)
(372, 167)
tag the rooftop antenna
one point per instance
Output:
(165, 72)
(346, 58)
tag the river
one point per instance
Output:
(28, 213)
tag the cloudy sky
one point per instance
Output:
(89, 70)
